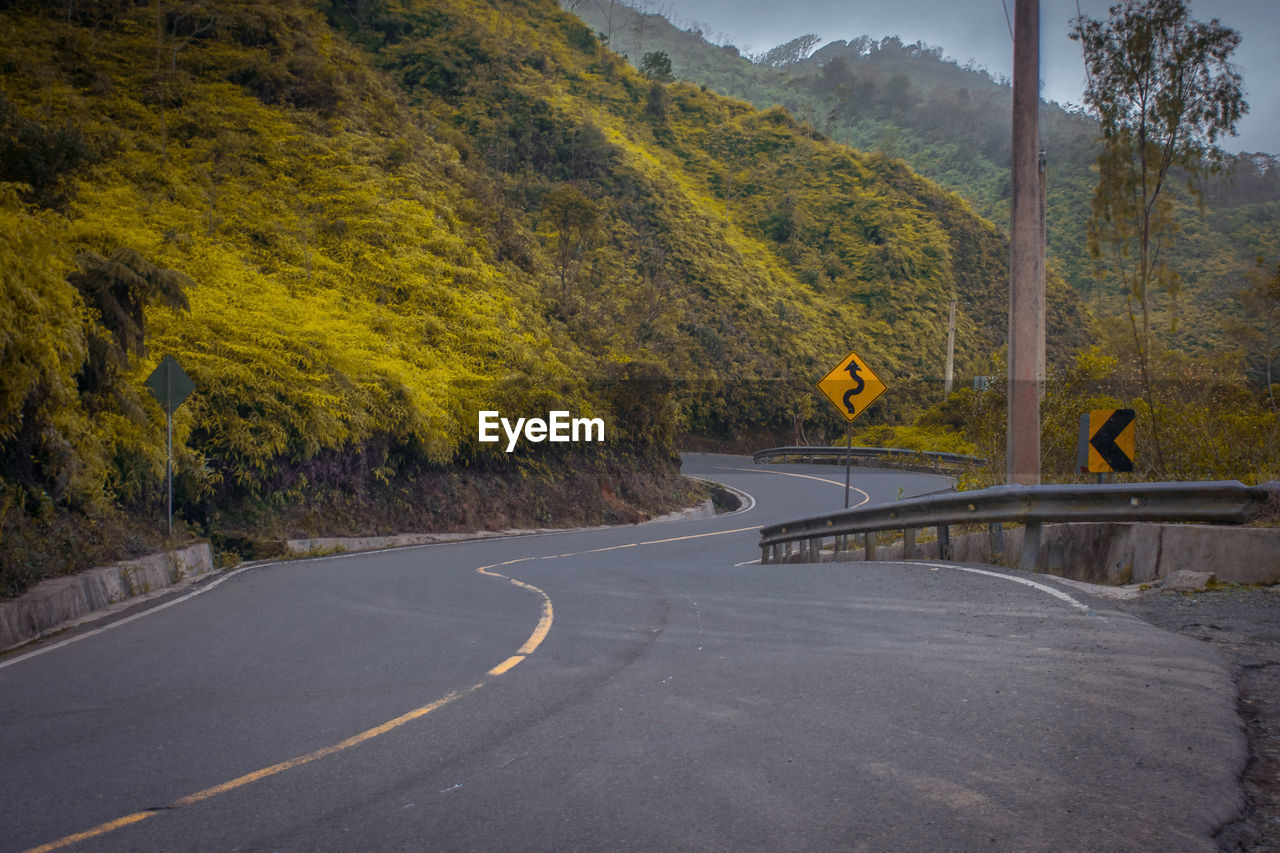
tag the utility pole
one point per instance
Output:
(951, 351)
(1026, 255)
(1041, 347)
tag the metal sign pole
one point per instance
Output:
(168, 417)
(170, 385)
(848, 465)
(169, 445)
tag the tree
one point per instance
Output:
(1163, 91)
(118, 288)
(574, 217)
(40, 160)
(1261, 301)
(796, 50)
(657, 67)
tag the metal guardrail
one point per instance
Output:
(1223, 502)
(927, 459)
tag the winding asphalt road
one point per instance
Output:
(630, 688)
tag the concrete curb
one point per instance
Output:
(58, 603)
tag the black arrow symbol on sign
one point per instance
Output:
(858, 383)
(1104, 440)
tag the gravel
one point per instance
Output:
(1243, 623)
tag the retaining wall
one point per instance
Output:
(1120, 553)
(50, 605)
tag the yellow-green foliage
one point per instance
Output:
(43, 429)
(1206, 422)
(933, 437)
(396, 214)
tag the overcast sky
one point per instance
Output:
(977, 30)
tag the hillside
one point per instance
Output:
(951, 123)
(358, 226)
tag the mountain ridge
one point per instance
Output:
(951, 123)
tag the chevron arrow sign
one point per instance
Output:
(1106, 441)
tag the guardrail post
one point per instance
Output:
(815, 549)
(1030, 547)
(944, 542)
(908, 543)
(870, 544)
(995, 539)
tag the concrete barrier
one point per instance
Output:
(57, 603)
(1116, 554)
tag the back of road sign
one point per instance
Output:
(170, 384)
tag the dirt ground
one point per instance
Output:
(1244, 625)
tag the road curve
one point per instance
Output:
(642, 687)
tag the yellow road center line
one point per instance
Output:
(535, 639)
(241, 781)
(354, 740)
(540, 632)
(101, 829)
(506, 665)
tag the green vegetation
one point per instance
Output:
(950, 123)
(1206, 403)
(357, 225)
(1164, 92)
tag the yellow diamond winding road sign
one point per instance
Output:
(851, 386)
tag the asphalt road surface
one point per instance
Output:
(634, 688)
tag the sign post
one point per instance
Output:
(170, 385)
(851, 387)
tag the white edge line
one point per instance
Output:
(865, 497)
(1056, 593)
(126, 620)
